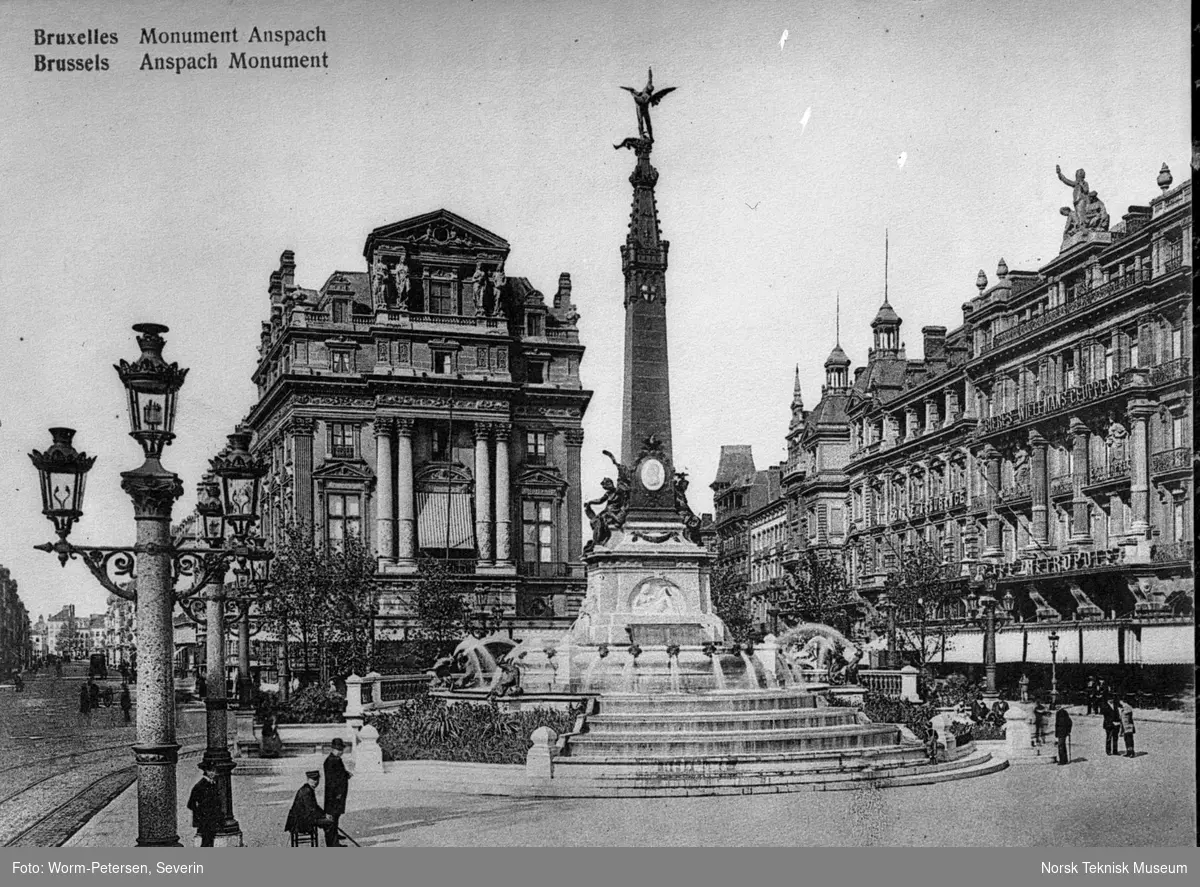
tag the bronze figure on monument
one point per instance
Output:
(644, 99)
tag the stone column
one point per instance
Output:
(385, 518)
(992, 542)
(503, 509)
(1140, 412)
(216, 712)
(1116, 523)
(483, 495)
(1081, 511)
(573, 437)
(952, 407)
(154, 491)
(1040, 487)
(910, 422)
(406, 523)
(302, 445)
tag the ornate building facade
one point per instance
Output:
(432, 405)
(16, 643)
(1049, 435)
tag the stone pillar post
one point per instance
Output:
(992, 541)
(483, 494)
(216, 708)
(1081, 510)
(574, 441)
(154, 491)
(932, 420)
(385, 520)
(503, 509)
(952, 406)
(302, 447)
(406, 523)
(1140, 412)
(1116, 522)
(1040, 487)
(969, 399)
(911, 426)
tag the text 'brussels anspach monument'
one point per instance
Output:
(648, 575)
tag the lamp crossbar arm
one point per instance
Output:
(110, 565)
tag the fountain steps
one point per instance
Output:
(644, 744)
(710, 722)
(719, 701)
(778, 763)
(757, 776)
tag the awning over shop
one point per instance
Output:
(439, 509)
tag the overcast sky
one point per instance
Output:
(134, 196)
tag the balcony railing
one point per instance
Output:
(1016, 491)
(1171, 460)
(545, 570)
(1170, 372)
(340, 451)
(1171, 552)
(535, 458)
(1063, 486)
(1058, 312)
(1173, 264)
(1118, 469)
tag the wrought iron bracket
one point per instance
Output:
(108, 565)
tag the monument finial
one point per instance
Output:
(643, 100)
(837, 320)
(885, 265)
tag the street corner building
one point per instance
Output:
(1048, 437)
(431, 404)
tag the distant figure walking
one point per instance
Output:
(1039, 723)
(1062, 734)
(93, 690)
(205, 804)
(272, 745)
(1112, 725)
(85, 700)
(201, 686)
(126, 701)
(1125, 712)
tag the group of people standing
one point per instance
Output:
(1117, 717)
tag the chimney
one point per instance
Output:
(935, 343)
(287, 270)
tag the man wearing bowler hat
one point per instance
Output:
(337, 784)
(205, 804)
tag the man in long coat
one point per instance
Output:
(337, 785)
(306, 814)
(1062, 733)
(205, 804)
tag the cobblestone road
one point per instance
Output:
(1096, 801)
(59, 767)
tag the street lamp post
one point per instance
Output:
(889, 607)
(1053, 639)
(152, 386)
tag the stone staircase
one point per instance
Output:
(740, 743)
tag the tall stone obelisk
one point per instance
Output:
(648, 578)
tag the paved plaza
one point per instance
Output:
(1095, 801)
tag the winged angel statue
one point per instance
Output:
(645, 99)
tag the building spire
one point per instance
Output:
(885, 266)
(837, 319)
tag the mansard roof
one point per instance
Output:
(736, 465)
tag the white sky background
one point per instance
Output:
(135, 196)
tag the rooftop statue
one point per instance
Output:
(644, 99)
(1087, 211)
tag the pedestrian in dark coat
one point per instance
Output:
(126, 701)
(93, 693)
(205, 804)
(1112, 726)
(306, 814)
(1039, 723)
(85, 699)
(337, 785)
(1062, 733)
(1125, 713)
(201, 686)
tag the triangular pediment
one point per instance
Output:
(436, 230)
(343, 470)
(541, 476)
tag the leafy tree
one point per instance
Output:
(731, 602)
(439, 603)
(817, 591)
(921, 590)
(325, 597)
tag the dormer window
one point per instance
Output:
(535, 325)
(339, 361)
(339, 311)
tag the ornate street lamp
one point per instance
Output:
(146, 571)
(889, 607)
(1053, 639)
